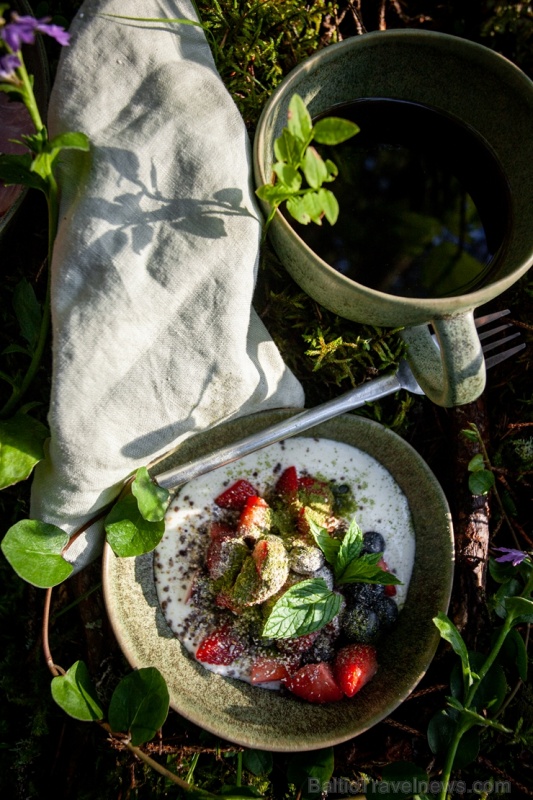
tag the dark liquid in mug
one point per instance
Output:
(424, 204)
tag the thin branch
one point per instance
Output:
(54, 668)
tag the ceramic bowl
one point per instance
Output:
(255, 717)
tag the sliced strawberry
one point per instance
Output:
(266, 669)
(225, 554)
(315, 683)
(217, 529)
(305, 481)
(354, 666)
(236, 495)
(255, 517)
(220, 647)
(288, 482)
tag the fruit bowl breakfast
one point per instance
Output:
(289, 604)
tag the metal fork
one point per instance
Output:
(401, 378)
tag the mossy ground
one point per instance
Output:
(255, 43)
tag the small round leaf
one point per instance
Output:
(21, 447)
(33, 548)
(152, 499)
(139, 705)
(128, 532)
(481, 481)
(75, 694)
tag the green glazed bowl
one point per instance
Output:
(263, 719)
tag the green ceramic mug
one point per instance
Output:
(466, 82)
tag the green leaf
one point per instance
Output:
(273, 193)
(314, 168)
(288, 148)
(351, 546)
(27, 310)
(519, 609)
(476, 463)
(305, 607)
(289, 177)
(449, 632)
(299, 120)
(139, 705)
(75, 694)
(151, 498)
(334, 130)
(72, 140)
(510, 588)
(513, 654)
(481, 482)
(298, 209)
(128, 532)
(331, 170)
(17, 170)
(440, 731)
(365, 570)
(500, 571)
(330, 205)
(470, 434)
(258, 762)
(306, 769)
(21, 446)
(33, 548)
(328, 545)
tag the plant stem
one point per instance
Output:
(462, 726)
(28, 95)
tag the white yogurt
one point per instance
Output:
(381, 506)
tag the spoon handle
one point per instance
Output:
(372, 390)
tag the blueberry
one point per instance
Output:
(387, 611)
(363, 593)
(360, 624)
(373, 542)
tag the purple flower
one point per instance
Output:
(516, 556)
(22, 30)
(8, 65)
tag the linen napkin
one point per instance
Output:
(154, 335)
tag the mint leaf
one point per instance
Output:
(350, 548)
(328, 545)
(365, 570)
(305, 607)
(151, 498)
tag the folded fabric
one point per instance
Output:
(154, 335)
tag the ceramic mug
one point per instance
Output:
(461, 79)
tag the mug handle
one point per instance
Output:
(452, 373)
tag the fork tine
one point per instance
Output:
(488, 347)
(484, 320)
(491, 361)
(492, 331)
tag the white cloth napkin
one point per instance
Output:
(154, 336)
